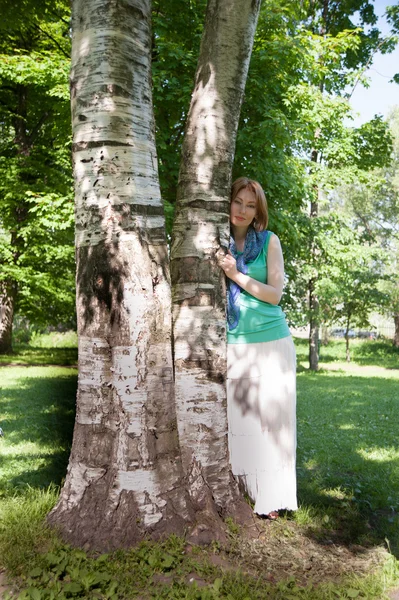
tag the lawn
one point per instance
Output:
(342, 543)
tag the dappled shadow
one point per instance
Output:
(52, 469)
(100, 276)
(348, 458)
(28, 355)
(40, 413)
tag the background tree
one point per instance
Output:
(334, 65)
(349, 289)
(372, 205)
(36, 200)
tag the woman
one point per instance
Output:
(261, 364)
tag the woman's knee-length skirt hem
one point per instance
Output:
(261, 404)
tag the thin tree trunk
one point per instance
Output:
(124, 476)
(313, 299)
(348, 356)
(314, 211)
(201, 227)
(7, 303)
(396, 334)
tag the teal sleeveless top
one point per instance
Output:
(259, 321)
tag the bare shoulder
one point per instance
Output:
(275, 252)
(274, 242)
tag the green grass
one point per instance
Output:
(348, 455)
(28, 355)
(45, 349)
(348, 482)
(37, 406)
(363, 352)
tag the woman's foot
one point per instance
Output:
(273, 515)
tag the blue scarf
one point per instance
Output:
(254, 242)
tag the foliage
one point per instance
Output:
(177, 30)
(36, 196)
(348, 288)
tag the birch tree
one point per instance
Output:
(201, 227)
(124, 476)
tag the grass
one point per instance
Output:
(44, 349)
(376, 353)
(335, 546)
(348, 457)
(37, 407)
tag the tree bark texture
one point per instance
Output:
(7, 303)
(396, 334)
(201, 227)
(124, 477)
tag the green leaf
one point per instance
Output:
(167, 561)
(73, 587)
(352, 593)
(34, 593)
(35, 572)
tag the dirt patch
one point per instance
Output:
(283, 550)
(3, 584)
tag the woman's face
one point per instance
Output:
(243, 208)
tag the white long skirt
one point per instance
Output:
(261, 405)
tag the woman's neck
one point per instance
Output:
(239, 234)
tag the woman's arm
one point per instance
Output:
(267, 292)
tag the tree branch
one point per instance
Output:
(52, 39)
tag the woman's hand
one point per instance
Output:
(228, 264)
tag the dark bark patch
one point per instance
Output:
(211, 206)
(204, 74)
(79, 146)
(100, 277)
(93, 444)
(190, 269)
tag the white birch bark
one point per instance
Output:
(124, 477)
(201, 227)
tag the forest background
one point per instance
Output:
(332, 188)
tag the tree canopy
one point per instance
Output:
(307, 57)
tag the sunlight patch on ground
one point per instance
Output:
(380, 455)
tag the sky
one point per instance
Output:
(381, 95)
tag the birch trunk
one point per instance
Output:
(7, 302)
(124, 477)
(201, 227)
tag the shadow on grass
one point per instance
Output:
(27, 355)
(348, 458)
(37, 417)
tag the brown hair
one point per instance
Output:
(262, 215)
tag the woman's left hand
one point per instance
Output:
(228, 264)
